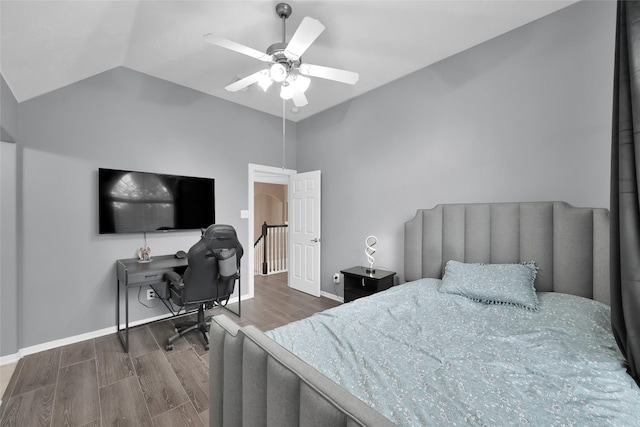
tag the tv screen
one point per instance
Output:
(133, 202)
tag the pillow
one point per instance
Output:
(510, 284)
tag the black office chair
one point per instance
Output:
(209, 280)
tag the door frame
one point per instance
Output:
(268, 174)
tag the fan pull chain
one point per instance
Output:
(284, 133)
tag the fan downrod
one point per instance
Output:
(276, 50)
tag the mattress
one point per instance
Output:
(421, 357)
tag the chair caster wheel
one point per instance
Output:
(168, 347)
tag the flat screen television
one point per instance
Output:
(133, 202)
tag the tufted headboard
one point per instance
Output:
(569, 245)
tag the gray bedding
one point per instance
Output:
(421, 357)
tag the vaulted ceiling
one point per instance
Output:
(46, 45)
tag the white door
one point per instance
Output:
(304, 232)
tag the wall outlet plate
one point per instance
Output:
(151, 294)
(336, 278)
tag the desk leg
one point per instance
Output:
(125, 340)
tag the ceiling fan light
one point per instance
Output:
(302, 83)
(286, 91)
(278, 72)
(265, 81)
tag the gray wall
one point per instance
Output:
(8, 250)
(525, 116)
(8, 221)
(8, 113)
(125, 120)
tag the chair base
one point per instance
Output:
(202, 324)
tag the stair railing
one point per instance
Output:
(270, 250)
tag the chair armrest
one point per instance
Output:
(174, 278)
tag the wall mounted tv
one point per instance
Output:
(133, 202)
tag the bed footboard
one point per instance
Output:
(256, 382)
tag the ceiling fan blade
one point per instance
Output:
(245, 82)
(342, 76)
(307, 32)
(299, 100)
(237, 47)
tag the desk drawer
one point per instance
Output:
(154, 276)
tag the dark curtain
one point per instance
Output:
(625, 206)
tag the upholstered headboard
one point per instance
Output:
(569, 245)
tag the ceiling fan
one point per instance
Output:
(284, 61)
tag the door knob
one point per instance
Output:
(316, 240)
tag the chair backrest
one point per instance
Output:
(214, 265)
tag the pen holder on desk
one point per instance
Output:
(144, 254)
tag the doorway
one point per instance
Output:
(304, 219)
(274, 178)
(270, 230)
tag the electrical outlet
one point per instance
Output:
(151, 294)
(336, 278)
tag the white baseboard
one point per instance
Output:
(72, 340)
(331, 296)
(11, 358)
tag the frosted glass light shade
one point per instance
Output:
(278, 73)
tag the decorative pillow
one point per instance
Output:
(511, 284)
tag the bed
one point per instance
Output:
(441, 349)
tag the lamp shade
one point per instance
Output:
(301, 83)
(286, 91)
(265, 80)
(278, 73)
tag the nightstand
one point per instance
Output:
(358, 283)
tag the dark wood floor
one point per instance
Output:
(95, 383)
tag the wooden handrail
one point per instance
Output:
(274, 250)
